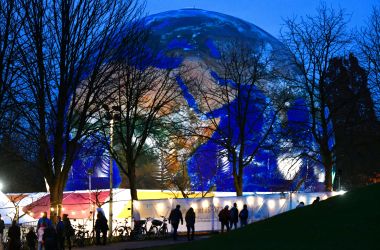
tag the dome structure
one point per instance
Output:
(195, 37)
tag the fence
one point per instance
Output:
(260, 206)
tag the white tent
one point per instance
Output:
(7, 209)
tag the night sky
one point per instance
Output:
(269, 14)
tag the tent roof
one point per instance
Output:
(77, 205)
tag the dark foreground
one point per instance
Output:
(350, 221)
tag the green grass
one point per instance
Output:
(350, 221)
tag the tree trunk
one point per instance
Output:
(327, 162)
(328, 178)
(56, 197)
(132, 183)
(238, 183)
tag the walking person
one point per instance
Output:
(50, 238)
(40, 234)
(2, 226)
(316, 201)
(234, 218)
(101, 226)
(224, 218)
(68, 230)
(174, 218)
(14, 235)
(190, 223)
(44, 220)
(31, 239)
(243, 215)
(60, 228)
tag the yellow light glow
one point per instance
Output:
(271, 204)
(239, 204)
(73, 212)
(52, 209)
(42, 214)
(216, 202)
(250, 201)
(83, 211)
(205, 204)
(282, 202)
(160, 207)
(194, 206)
(63, 209)
(260, 200)
(325, 197)
(31, 213)
(227, 203)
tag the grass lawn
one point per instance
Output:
(350, 221)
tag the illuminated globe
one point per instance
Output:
(193, 37)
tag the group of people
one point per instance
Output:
(302, 204)
(49, 235)
(175, 218)
(230, 217)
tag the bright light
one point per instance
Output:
(52, 209)
(205, 204)
(301, 198)
(320, 174)
(63, 209)
(136, 204)
(73, 212)
(1, 186)
(216, 202)
(160, 207)
(341, 192)
(83, 211)
(250, 201)
(325, 197)
(288, 166)
(194, 206)
(271, 204)
(282, 202)
(227, 203)
(31, 213)
(239, 204)
(42, 214)
(260, 201)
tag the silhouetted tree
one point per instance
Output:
(237, 106)
(355, 123)
(10, 26)
(314, 41)
(66, 55)
(143, 101)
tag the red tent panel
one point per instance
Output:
(77, 205)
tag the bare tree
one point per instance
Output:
(144, 101)
(67, 51)
(240, 117)
(369, 45)
(314, 41)
(10, 25)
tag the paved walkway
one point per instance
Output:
(141, 244)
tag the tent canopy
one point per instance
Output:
(78, 205)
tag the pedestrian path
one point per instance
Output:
(141, 244)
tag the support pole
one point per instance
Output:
(110, 216)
